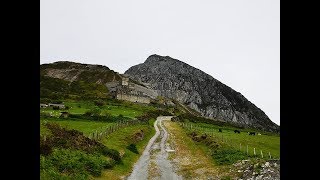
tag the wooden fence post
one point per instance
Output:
(261, 154)
(240, 146)
(269, 155)
(254, 151)
(247, 149)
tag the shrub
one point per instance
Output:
(87, 113)
(45, 149)
(107, 114)
(133, 148)
(95, 111)
(153, 114)
(112, 153)
(98, 103)
(73, 139)
(45, 100)
(75, 162)
(55, 108)
(57, 102)
(45, 114)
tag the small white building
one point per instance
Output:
(61, 106)
(125, 81)
(43, 105)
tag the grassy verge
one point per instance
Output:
(193, 159)
(120, 140)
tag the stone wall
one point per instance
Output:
(133, 98)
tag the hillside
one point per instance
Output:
(175, 79)
(92, 134)
(71, 71)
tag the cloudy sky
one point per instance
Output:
(237, 42)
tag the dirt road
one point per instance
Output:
(154, 162)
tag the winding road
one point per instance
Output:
(154, 162)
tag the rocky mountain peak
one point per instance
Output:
(175, 79)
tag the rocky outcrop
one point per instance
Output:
(264, 170)
(175, 79)
(71, 71)
(119, 86)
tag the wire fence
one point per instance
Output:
(99, 134)
(247, 149)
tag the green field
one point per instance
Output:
(123, 137)
(87, 127)
(126, 109)
(118, 140)
(267, 142)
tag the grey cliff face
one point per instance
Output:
(175, 79)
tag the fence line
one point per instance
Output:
(224, 139)
(98, 135)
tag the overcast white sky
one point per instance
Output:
(237, 42)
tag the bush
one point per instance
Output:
(112, 153)
(75, 162)
(55, 108)
(153, 114)
(57, 102)
(107, 114)
(73, 139)
(133, 148)
(45, 149)
(45, 114)
(98, 103)
(96, 111)
(45, 100)
(87, 113)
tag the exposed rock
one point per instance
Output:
(267, 164)
(175, 79)
(71, 71)
(264, 170)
